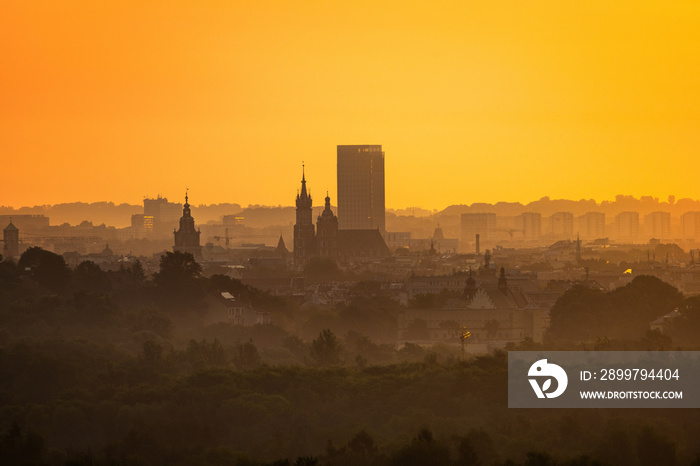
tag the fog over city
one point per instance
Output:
(364, 233)
(315, 334)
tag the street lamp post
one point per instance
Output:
(465, 334)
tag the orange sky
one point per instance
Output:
(473, 101)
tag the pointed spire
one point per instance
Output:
(303, 182)
(186, 213)
(281, 247)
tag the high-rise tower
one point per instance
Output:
(304, 227)
(361, 187)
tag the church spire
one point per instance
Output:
(187, 237)
(303, 197)
(303, 182)
(186, 213)
(304, 233)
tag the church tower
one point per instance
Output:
(304, 228)
(187, 238)
(11, 241)
(327, 231)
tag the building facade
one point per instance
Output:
(627, 226)
(561, 225)
(474, 224)
(158, 219)
(591, 225)
(690, 225)
(26, 223)
(530, 223)
(495, 314)
(361, 187)
(658, 225)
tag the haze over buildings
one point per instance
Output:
(117, 347)
(591, 225)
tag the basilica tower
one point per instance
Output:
(327, 232)
(304, 227)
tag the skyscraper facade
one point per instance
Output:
(591, 225)
(561, 224)
(530, 223)
(690, 225)
(361, 187)
(658, 225)
(627, 226)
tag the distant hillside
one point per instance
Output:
(547, 206)
(76, 212)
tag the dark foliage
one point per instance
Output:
(178, 283)
(583, 314)
(46, 268)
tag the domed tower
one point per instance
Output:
(304, 231)
(187, 238)
(327, 231)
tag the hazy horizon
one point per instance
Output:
(318, 201)
(474, 153)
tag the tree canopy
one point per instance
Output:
(583, 313)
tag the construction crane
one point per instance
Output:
(53, 239)
(226, 237)
(510, 231)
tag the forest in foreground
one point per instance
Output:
(85, 403)
(94, 374)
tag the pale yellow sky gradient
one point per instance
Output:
(473, 101)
